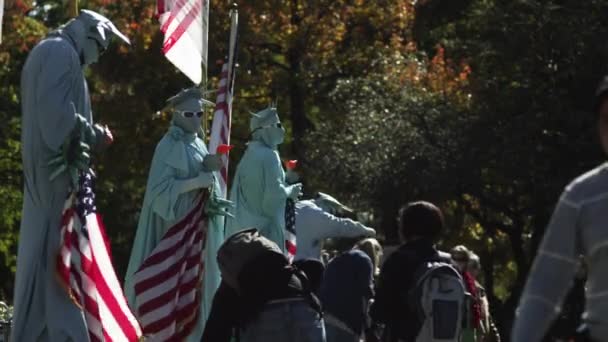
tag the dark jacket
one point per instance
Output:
(347, 287)
(390, 307)
(264, 279)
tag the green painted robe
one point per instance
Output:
(178, 156)
(259, 193)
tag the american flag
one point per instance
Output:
(185, 26)
(168, 283)
(290, 229)
(222, 117)
(1, 15)
(84, 267)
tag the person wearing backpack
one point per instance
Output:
(408, 304)
(262, 297)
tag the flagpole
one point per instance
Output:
(205, 38)
(73, 8)
(234, 19)
(204, 61)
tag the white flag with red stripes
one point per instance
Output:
(84, 267)
(1, 15)
(185, 26)
(168, 283)
(222, 117)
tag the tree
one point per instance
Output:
(534, 66)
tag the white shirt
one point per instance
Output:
(313, 225)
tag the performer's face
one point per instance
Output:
(276, 133)
(190, 121)
(602, 125)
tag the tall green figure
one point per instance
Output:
(57, 136)
(181, 168)
(259, 190)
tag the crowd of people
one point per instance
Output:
(352, 297)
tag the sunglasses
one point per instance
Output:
(191, 114)
(278, 125)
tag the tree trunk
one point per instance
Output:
(299, 121)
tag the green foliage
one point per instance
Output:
(20, 34)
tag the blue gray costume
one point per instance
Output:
(57, 124)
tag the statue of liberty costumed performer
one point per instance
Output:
(181, 168)
(57, 136)
(259, 190)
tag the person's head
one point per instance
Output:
(474, 266)
(373, 249)
(187, 108)
(92, 32)
(266, 127)
(461, 257)
(420, 220)
(601, 109)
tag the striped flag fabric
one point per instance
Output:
(1, 16)
(290, 212)
(85, 269)
(168, 284)
(290, 229)
(220, 127)
(222, 117)
(185, 26)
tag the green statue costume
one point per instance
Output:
(259, 191)
(57, 135)
(180, 168)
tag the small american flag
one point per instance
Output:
(84, 267)
(220, 129)
(290, 229)
(168, 283)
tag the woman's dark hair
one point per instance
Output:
(601, 95)
(420, 219)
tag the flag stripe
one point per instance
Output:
(160, 7)
(182, 27)
(168, 279)
(173, 12)
(159, 300)
(167, 246)
(184, 290)
(109, 287)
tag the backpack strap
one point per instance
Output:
(306, 289)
